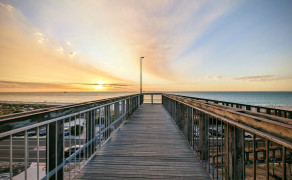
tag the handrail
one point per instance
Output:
(100, 119)
(213, 133)
(10, 122)
(262, 109)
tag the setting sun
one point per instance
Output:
(100, 85)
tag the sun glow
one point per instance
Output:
(100, 85)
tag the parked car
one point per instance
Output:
(66, 132)
(248, 135)
(43, 132)
(31, 133)
(214, 132)
(19, 134)
(4, 176)
(197, 134)
(72, 149)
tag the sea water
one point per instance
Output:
(253, 98)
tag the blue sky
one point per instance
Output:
(189, 45)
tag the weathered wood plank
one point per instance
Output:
(148, 146)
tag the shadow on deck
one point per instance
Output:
(148, 145)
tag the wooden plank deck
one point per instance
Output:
(147, 146)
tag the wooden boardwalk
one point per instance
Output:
(147, 146)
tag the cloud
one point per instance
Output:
(262, 78)
(217, 77)
(207, 77)
(58, 86)
(118, 33)
(29, 55)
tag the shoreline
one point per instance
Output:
(288, 108)
(36, 103)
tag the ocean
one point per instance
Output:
(59, 98)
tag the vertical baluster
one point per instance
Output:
(10, 157)
(75, 144)
(70, 147)
(79, 142)
(222, 145)
(267, 159)
(209, 142)
(99, 133)
(94, 131)
(254, 156)
(216, 148)
(25, 154)
(87, 134)
(38, 152)
(47, 151)
(63, 161)
(56, 150)
(243, 155)
(284, 162)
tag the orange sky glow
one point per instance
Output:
(96, 46)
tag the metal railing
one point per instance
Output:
(232, 144)
(152, 97)
(56, 143)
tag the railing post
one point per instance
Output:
(131, 105)
(123, 110)
(88, 132)
(233, 152)
(127, 108)
(178, 111)
(151, 98)
(190, 127)
(116, 110)
(54, 135)
(248, 108)
(99, 129)
(203, 136)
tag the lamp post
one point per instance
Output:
(141, 74)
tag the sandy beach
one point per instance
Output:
(289, 108)
(11, 108)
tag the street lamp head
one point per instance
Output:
(142, 57)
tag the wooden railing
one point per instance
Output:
(233, 143)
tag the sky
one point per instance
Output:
(188, 45)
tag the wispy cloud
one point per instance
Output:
(207, 77)
(217, 77)
(262, 78)
(118, 33)
(92, 41)
(59, 86)
(28, 55)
